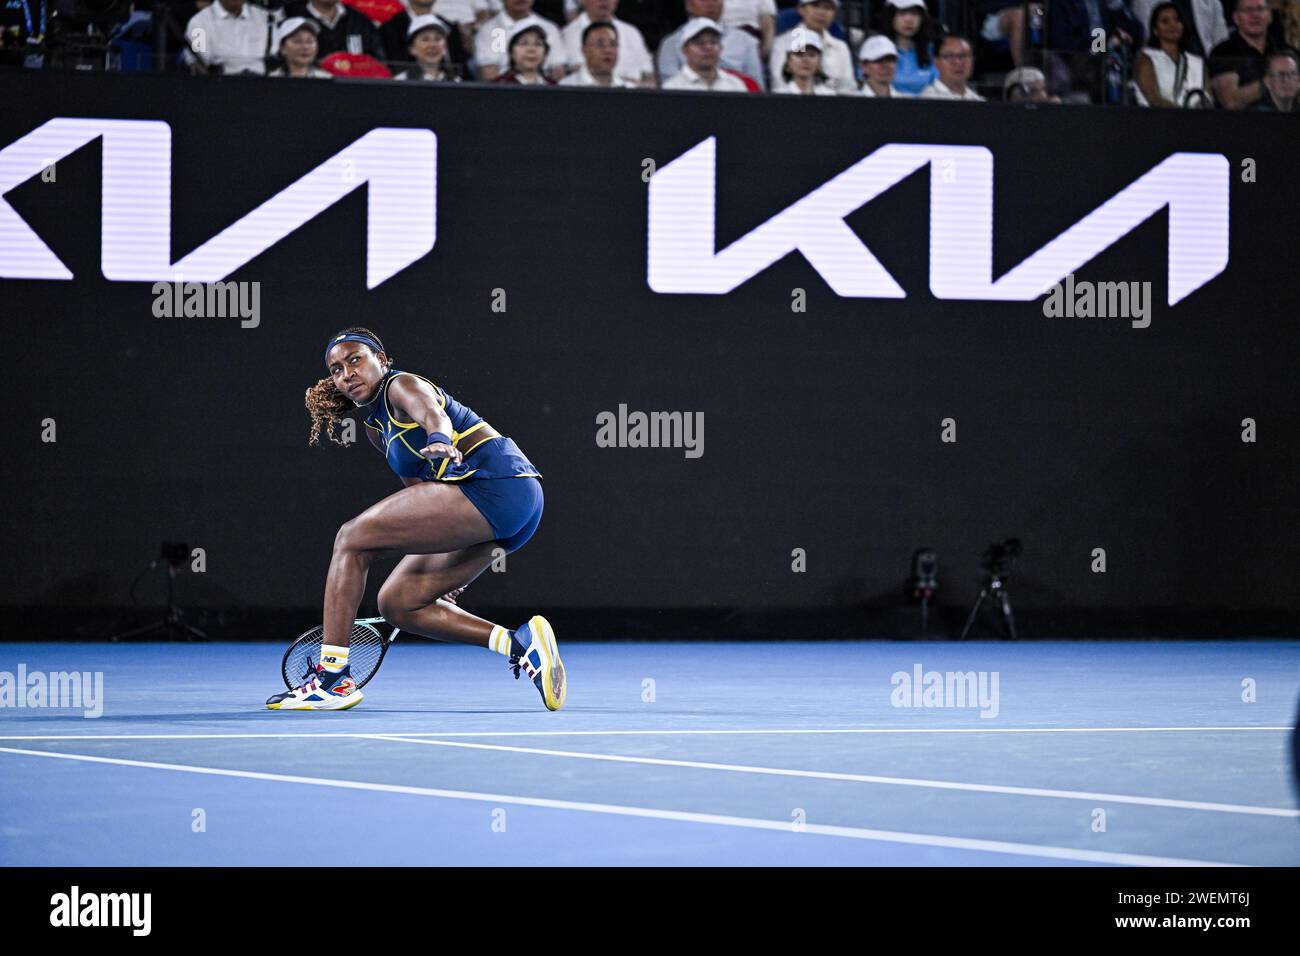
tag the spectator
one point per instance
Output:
(230, 35)
(1289, 16)
(426, 44)
(956, 63)
(740, 50)
(1166, 73)
(1079, 32)
(493, 35)
(755, 17)
(527, 49)
(295, 42)
(22, 28)
(554, 11)
(802, 73)
(342, 29)
(652, 18)
(879, 58)
(1206, 15)
(1025, 84)
(908, 26)
(1281, 83)
(1237, 64)
(600, 53)
(701, 43)
(633, 58)
(1072, 25)
(1002, 21)
(395, 34)
(837, 60)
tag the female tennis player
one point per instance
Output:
(469, 490)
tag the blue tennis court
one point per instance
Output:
(1106, 753)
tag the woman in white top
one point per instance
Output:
(295, 42)
(802, 71)
(427, 45)
(1165, 74)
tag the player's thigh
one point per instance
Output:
(420, 579)
(428, 518)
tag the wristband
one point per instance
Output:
(436, 437)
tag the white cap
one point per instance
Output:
(695, 26)
(906, 4)
(877, 48)
(293, 25)
(1023, 75)
(530, 22)
(426, 21)
(801, 38)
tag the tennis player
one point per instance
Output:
(469, 491)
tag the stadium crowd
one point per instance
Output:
(1231, 54)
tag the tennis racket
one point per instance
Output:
(365, 653)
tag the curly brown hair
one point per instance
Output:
(326, 404)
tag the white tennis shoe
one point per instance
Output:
(542, 661)
(323, 691)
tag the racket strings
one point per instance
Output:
(365, 650)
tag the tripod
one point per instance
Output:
(171, 624)
(996, 591)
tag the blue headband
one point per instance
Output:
(352, 337)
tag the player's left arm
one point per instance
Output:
(418, 400)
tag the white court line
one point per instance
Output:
(753, 823)
(658, 732)
(868, 778)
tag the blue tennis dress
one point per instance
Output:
(494, 473)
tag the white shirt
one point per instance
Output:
(821, 89)
(633, 57)
(894, 92)
(937, 91)
(837, 61)
(456, 11)
(491, 43)
(1166, 71)
(746, 13)
(688, 79)
(1210, 24)
(239, 43)
(584, 78)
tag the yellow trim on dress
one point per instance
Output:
(442, 398)
(477, 443)
(459, 477)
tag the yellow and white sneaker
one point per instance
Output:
(324, 691)
(541, 661)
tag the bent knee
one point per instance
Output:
(398, 605)
(351, 536)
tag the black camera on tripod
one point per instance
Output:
(996, 562)
(1000, 556)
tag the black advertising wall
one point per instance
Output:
(822, 428)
